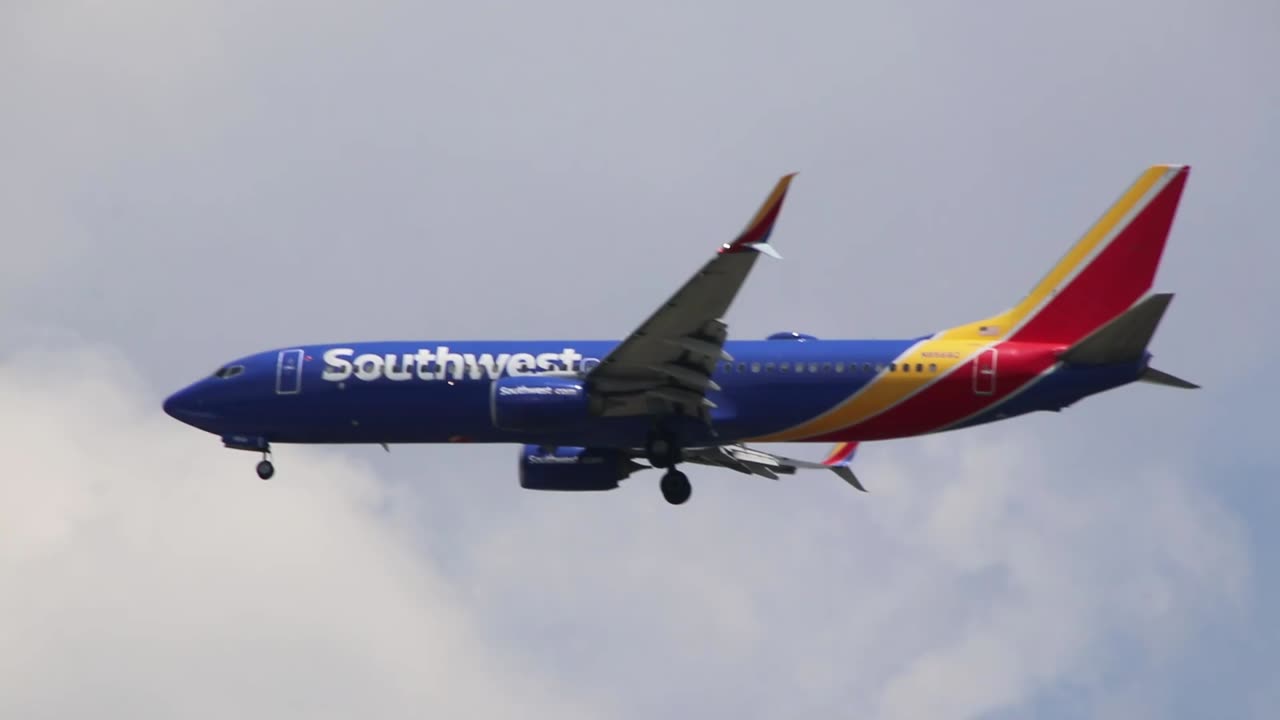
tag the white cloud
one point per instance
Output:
(1079, 560)
(967, 582)
(149, 571)
(146, 574)
(181, 175)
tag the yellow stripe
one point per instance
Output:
(1075, 257)
(889, 389)
(772, 201)
(883, 392)
(837, 451)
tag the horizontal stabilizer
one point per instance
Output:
(1124, 338)
(1157, 377)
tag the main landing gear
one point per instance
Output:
(265, 468)
(663, 452)
(675, 487)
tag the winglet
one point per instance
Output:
(838, 460)
(847, 474)
(841, 454)
(756, 235)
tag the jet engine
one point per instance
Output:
(573, 468)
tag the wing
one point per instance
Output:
(665, 365)
(757, 462)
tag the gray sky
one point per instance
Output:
(187, 182)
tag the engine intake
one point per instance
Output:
(573, 468)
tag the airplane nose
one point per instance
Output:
(186, 405)
(175, 404)
(194, 405)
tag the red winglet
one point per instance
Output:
(841, 454)
(761, 226)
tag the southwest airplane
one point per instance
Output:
(678, 391)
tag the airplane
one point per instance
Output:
(589, 414)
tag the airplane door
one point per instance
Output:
(289, 372)
(984, 372)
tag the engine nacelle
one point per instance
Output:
(573, 468)
(539, 403)
(799, 337)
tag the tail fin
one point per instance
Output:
(1102, 275)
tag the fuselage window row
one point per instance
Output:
(786, 366)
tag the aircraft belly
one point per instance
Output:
(387, 412)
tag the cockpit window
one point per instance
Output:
(228, 371)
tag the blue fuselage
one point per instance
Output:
(442, 391)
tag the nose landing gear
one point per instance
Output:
(253, 443)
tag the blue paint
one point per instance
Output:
(286, 395)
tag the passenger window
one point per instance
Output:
(879, 367)
(839, 367)
(893, 367)
(866, 367)
(813, 367)
(799, 367)
(906, 367)
(933, 367)
(742, 367)
(826, 367)
(755, 367)
(784, 367)
(768, 367)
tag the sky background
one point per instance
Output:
(184, 183)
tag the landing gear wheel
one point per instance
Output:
(675, 487)
(266, 469)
